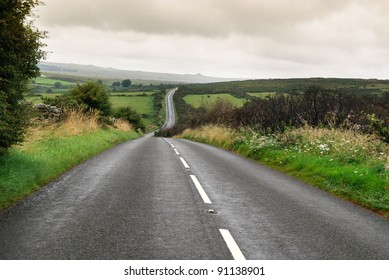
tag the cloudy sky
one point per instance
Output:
(224, 38)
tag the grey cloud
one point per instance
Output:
(201, 17)
(293, 37)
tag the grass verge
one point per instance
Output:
(352, 166)
(53, 149)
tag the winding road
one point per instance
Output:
(170, 116)
(156, 198)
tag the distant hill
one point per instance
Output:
(90, 71)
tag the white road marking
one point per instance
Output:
(231, 244)
(200, 189)
(184, 163)
(176, 151)
(172, 145)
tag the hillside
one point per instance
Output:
(77, 70)
(241, 88)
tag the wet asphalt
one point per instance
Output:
(137, 201)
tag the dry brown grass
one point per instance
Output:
(123, 125)
(74, 122)
(77, 122)
(340, 141)
(212, 133)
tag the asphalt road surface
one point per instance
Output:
(170, 117)
(155, 198)
(150, 199)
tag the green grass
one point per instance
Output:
(25, 171)
(38, 99)
(141, 104)
(51, 82)
(198, 100)
(360, 177)
(360, 183)
(132, 93)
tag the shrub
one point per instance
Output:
(94, 95)
(64, 101)
(130, 116)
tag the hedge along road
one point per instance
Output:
(155, 198)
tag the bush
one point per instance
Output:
(131, 116)
(94, 95)
(13, 123)
(64, 101)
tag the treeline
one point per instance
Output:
(158, 101)
(315, 106)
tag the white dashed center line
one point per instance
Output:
(200, 189)
(184, 162)
(231, 244)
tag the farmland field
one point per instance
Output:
(133, 93)
(142, 104)
(51, 82)
(197, 100)
(38, 99)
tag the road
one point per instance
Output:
(170, 117)
(156, 198)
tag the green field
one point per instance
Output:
(198, 100)
(51, 82)
(141, 104)
(38, 99)
(132, 93)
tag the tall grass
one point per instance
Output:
(352, 165)
(51, 149)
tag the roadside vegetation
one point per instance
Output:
(139, 98)
(330, 138)
(52, 147)
(75, 122)
(351, 165)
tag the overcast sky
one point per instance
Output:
(224, 38)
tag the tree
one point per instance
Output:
(57, 84)
(126, 83)
(116, 84)
(94, 95)
(20, 51)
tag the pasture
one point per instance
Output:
(199, 100)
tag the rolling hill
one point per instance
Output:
(89, 71)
